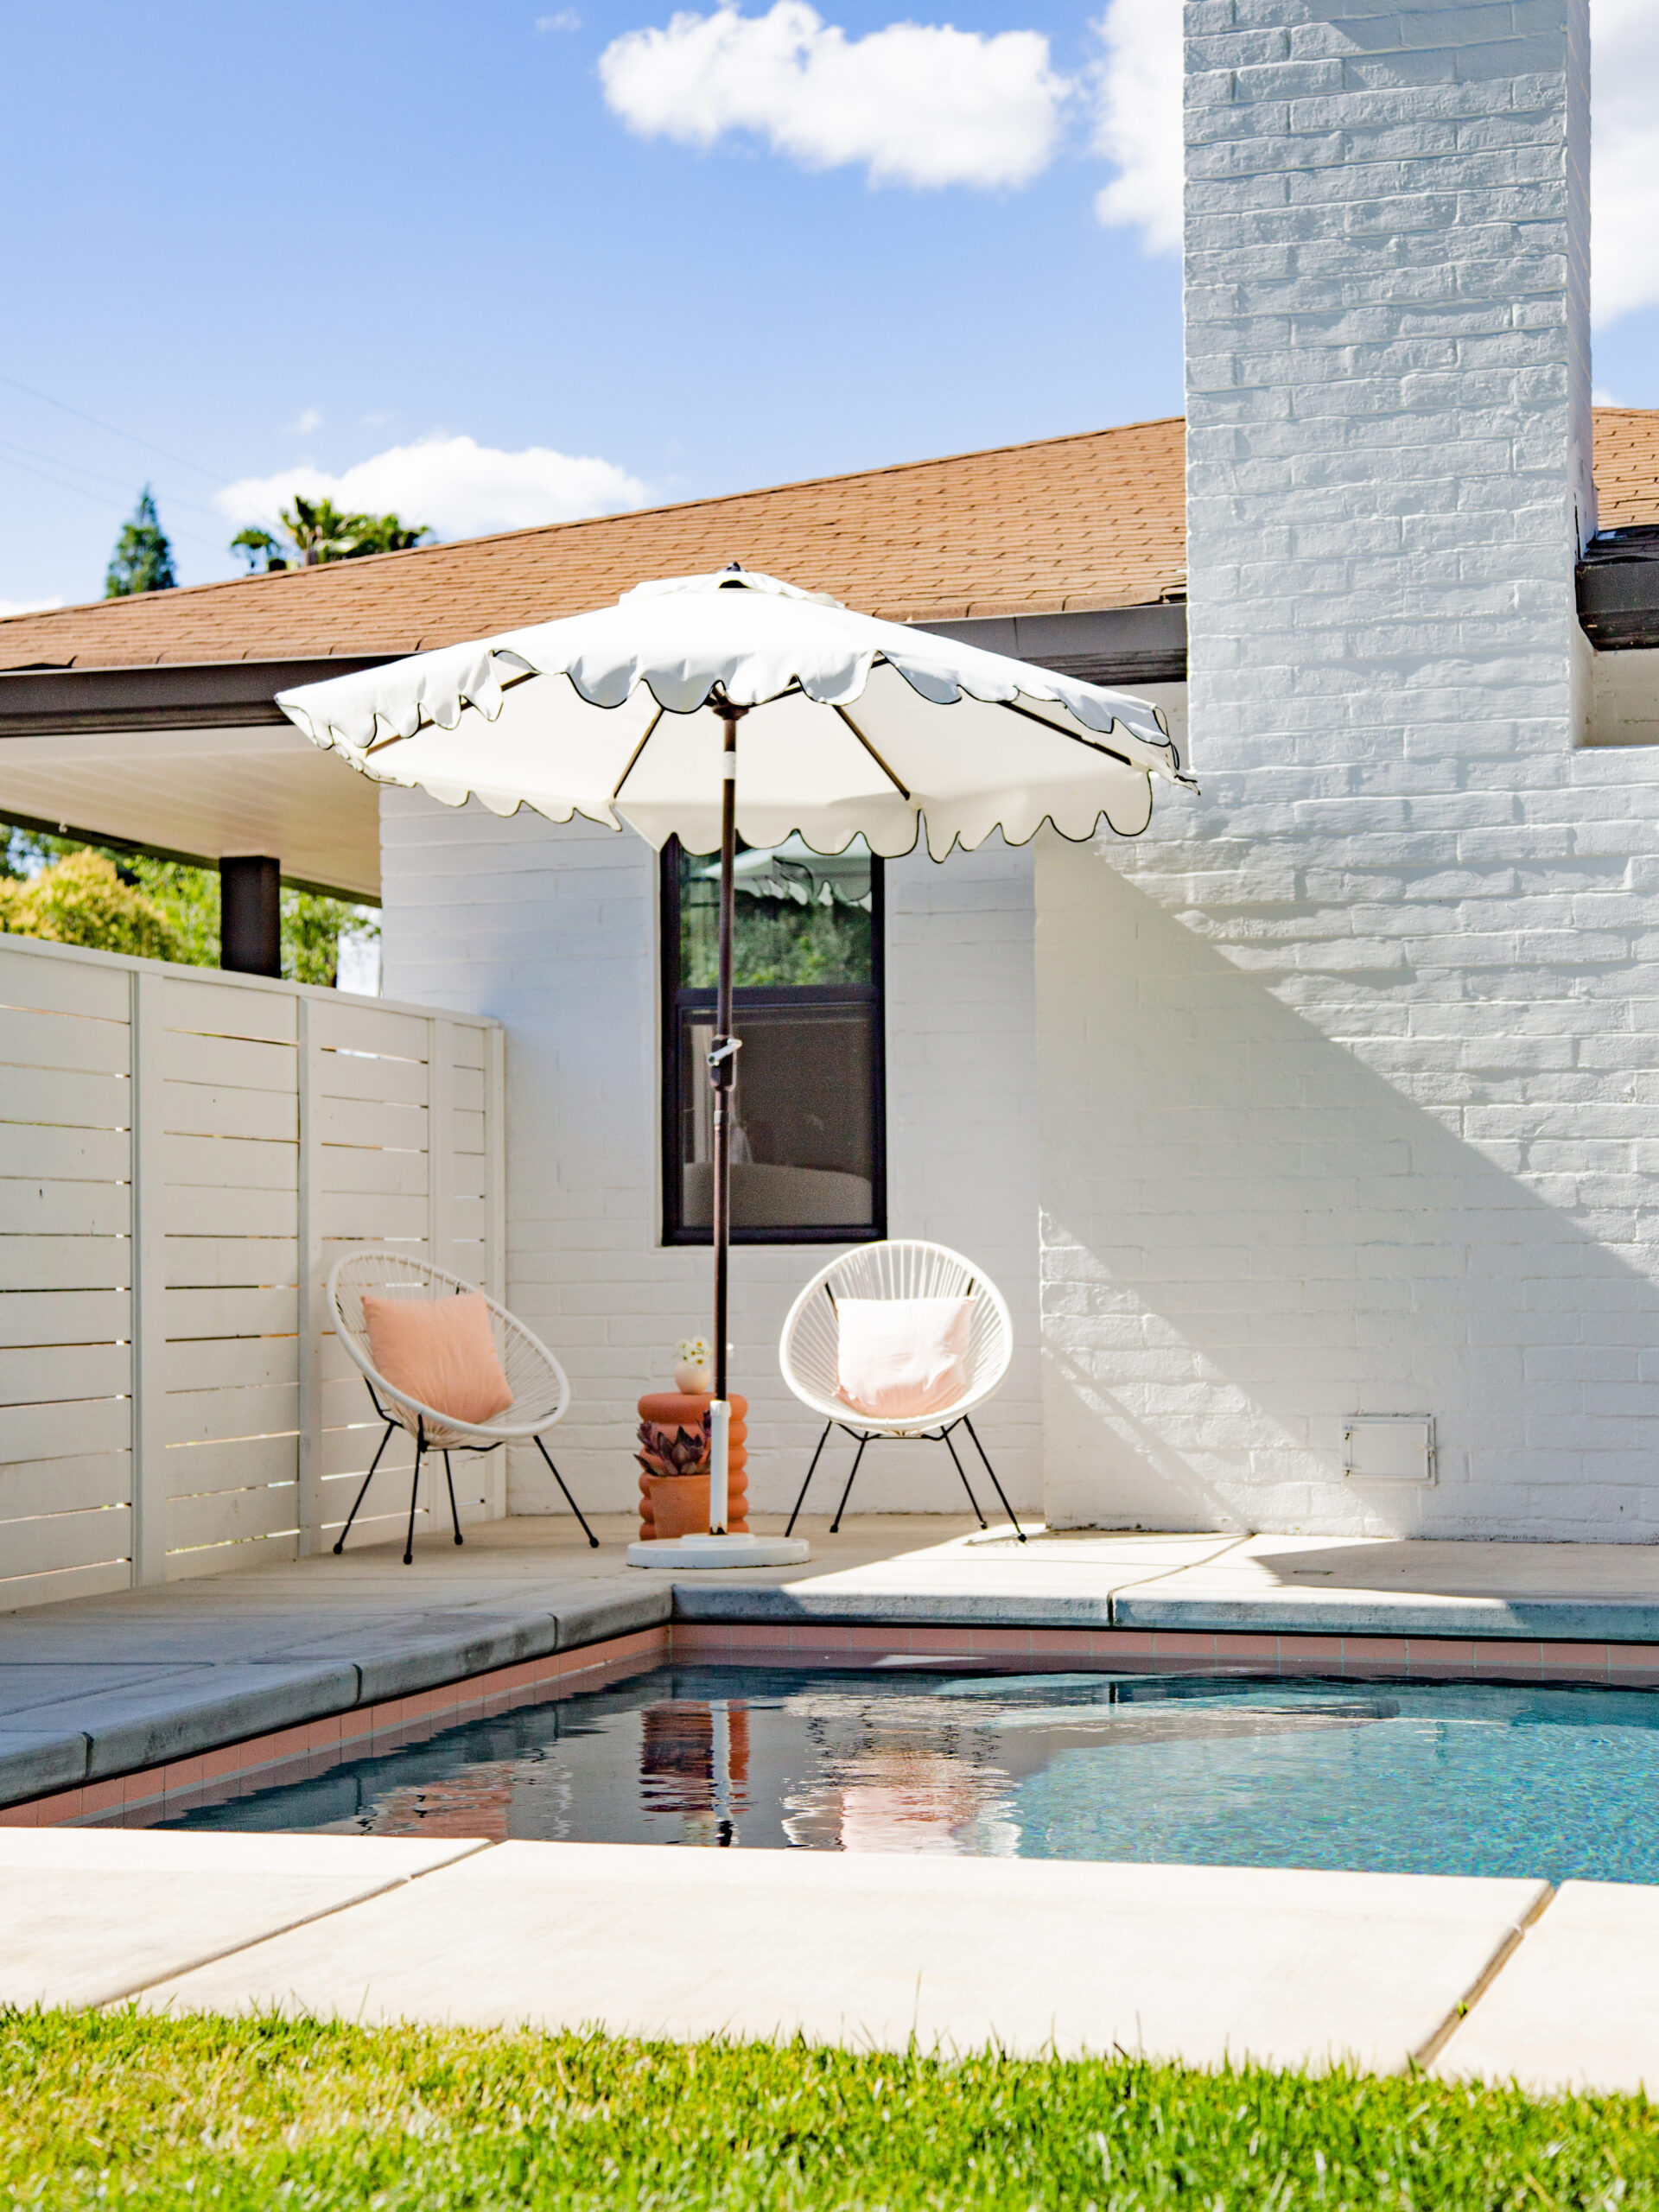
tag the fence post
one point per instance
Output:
(149, 1281)
(310, 1274)
(495, 1217)
(439, 1143)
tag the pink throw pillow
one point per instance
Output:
(440, 1351)
(902, 1359)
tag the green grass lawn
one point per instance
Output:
(124, 2110)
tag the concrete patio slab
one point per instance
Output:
(99, 1686)
(1192, 1963)
(1577, 2007)
(1363, 1585)
(89, 1916)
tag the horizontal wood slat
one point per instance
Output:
(230, 1063)
(70, 1485)
(211, 1010)
(44, 1375)
(203, 1262)
(64, 1040)
(64, 1316)
(229, 1163)
(234, 1516)
(348, 1026)
(65, 1428)
(64, 1095)
(348, 1075)
(206, 1109)
(207, 1416)
(63, 1540)
(64, 985)
(374, 1122)
(154, 1115)
(205, 1469)
(274, 1311)
(64, 1262)
(18, 1590)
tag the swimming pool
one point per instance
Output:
(1401, 1777)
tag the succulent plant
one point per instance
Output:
(682, 1452)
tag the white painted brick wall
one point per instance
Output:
(555, 930)
(1351, 1067)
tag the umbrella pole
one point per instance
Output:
(722, 1071)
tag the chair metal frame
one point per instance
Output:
(541, 1389)
(896, 1267)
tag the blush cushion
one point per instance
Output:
(440, 1351)
(902, 1359)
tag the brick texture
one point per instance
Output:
(1350, 1067)
(556, 928)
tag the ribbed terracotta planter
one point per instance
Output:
(677, 1505)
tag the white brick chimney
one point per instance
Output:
(1388, 377)
(1351, 1069)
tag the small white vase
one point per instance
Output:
(695, 1381)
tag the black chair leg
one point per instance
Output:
(569, 1500)
(414, 1495)
(991, 1472)
(835, 1526)
(455, 1517)
(363, 1491)
(807, 1485)
(963, 1472)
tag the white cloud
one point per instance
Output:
(566, 20)
(309, 421)
(10, 607)
(1625, 157)
(455, 487)
(1138, 120)
(914, 103)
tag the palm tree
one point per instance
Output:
(317, 530)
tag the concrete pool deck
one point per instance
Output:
(103, 1688)
(1485, 1979)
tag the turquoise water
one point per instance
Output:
(1412, 1778)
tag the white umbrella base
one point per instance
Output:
(684, 1552)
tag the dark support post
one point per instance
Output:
(250, 915)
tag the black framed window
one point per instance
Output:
(809, 1163)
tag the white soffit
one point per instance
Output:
(210, 792)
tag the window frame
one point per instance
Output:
(675, 1000)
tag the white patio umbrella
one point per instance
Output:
(852, 727)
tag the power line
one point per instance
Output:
(119, 483)
(99, 499)
(81, 414)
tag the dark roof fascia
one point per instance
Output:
(1121, 645)
(1118, 645)
(1619, 589)
(210, 694)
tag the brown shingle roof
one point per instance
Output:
(1627, 466)
(1091, 521)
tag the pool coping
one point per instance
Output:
(196, 1773)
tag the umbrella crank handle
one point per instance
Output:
(722, 1062)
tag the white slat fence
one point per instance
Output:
(183, 1154)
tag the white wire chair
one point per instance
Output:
(541, 1389)
(809, 1349)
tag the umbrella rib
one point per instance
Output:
(1059, 730)
(634, 756)
(873, 754)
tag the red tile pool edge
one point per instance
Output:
(155, 1790)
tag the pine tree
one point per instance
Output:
(143, 559)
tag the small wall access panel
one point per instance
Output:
(1389, 1447)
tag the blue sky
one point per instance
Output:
(261, 235)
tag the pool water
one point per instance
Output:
(1409, 1778)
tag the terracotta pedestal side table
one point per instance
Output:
(677, 1505)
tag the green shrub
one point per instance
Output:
(81, 899)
